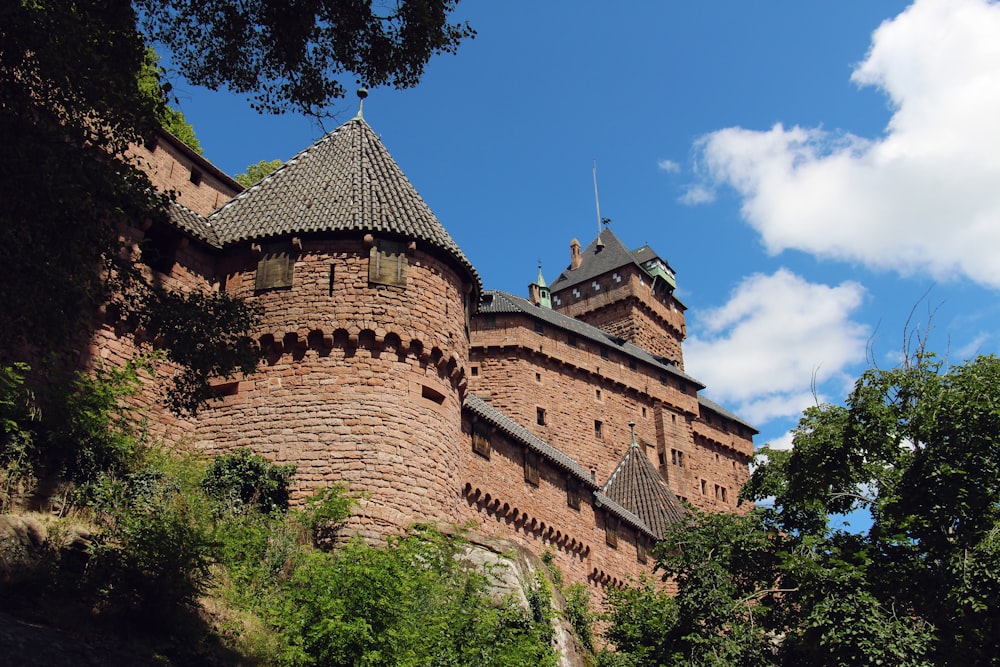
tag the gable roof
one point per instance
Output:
(345, 182)
(605, 253)
(494, 302)
(638, 486)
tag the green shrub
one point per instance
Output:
(243, 481)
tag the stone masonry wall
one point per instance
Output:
(363, 383)
(522, 370)
(624, 304)
(500, 503)
(171, 168)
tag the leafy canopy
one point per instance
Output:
(919, 447)
(256, 172)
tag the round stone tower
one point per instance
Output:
(365, 303)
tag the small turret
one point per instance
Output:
(538, 291)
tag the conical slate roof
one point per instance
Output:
(637, 486)
(345, 182)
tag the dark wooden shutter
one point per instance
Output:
(275, 267)
(531, 468)
(481, 440)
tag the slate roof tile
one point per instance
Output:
(190, 222)
(345, 182)
(637, 486)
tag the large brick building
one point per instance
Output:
(561, 421)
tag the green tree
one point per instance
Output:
(919, 447)
(153, 84)
(71, 105)
(256, 172)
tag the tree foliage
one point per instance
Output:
(919, 447)
(293, 55)
(153, 83)
(256, 172)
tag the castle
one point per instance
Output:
(562, 421)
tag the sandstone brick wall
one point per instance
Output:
(172, 166)
(363, 383)
(496, 499)
(522, 370)
(625, 304)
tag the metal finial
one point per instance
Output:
(631, 425)
(362, 94)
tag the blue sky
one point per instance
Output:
(815, 172)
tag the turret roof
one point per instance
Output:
(638, 486)
(345, 182)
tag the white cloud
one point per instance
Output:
(922, 197)
(669, 166)
(784, 442)
(698, 194)
(763, 348)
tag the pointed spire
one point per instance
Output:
(538, 292)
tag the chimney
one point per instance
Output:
(534, 294)
(575, 258)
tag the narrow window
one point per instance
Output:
(724, 495)
(644, 413)
(673, 456)
(640, 550)
(604, 352)
(538, 377)
(538, 327)
(662, 458)
(387, 263)
(680, 459)
(276, 266)
(718, 493)
(704, 487)
(432, 394)
(540, 416)
(631, 364)
(195, 177)
(597, 394)
(531, 468)
(573, 492)
(475, 371)
(611, 531)
(571, 340)
(481, 440)
(598, 429)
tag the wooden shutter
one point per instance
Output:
(481, 440)
(387, 263)
(531, 468)
(573, 492)
(275, 267)
(611, 531)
